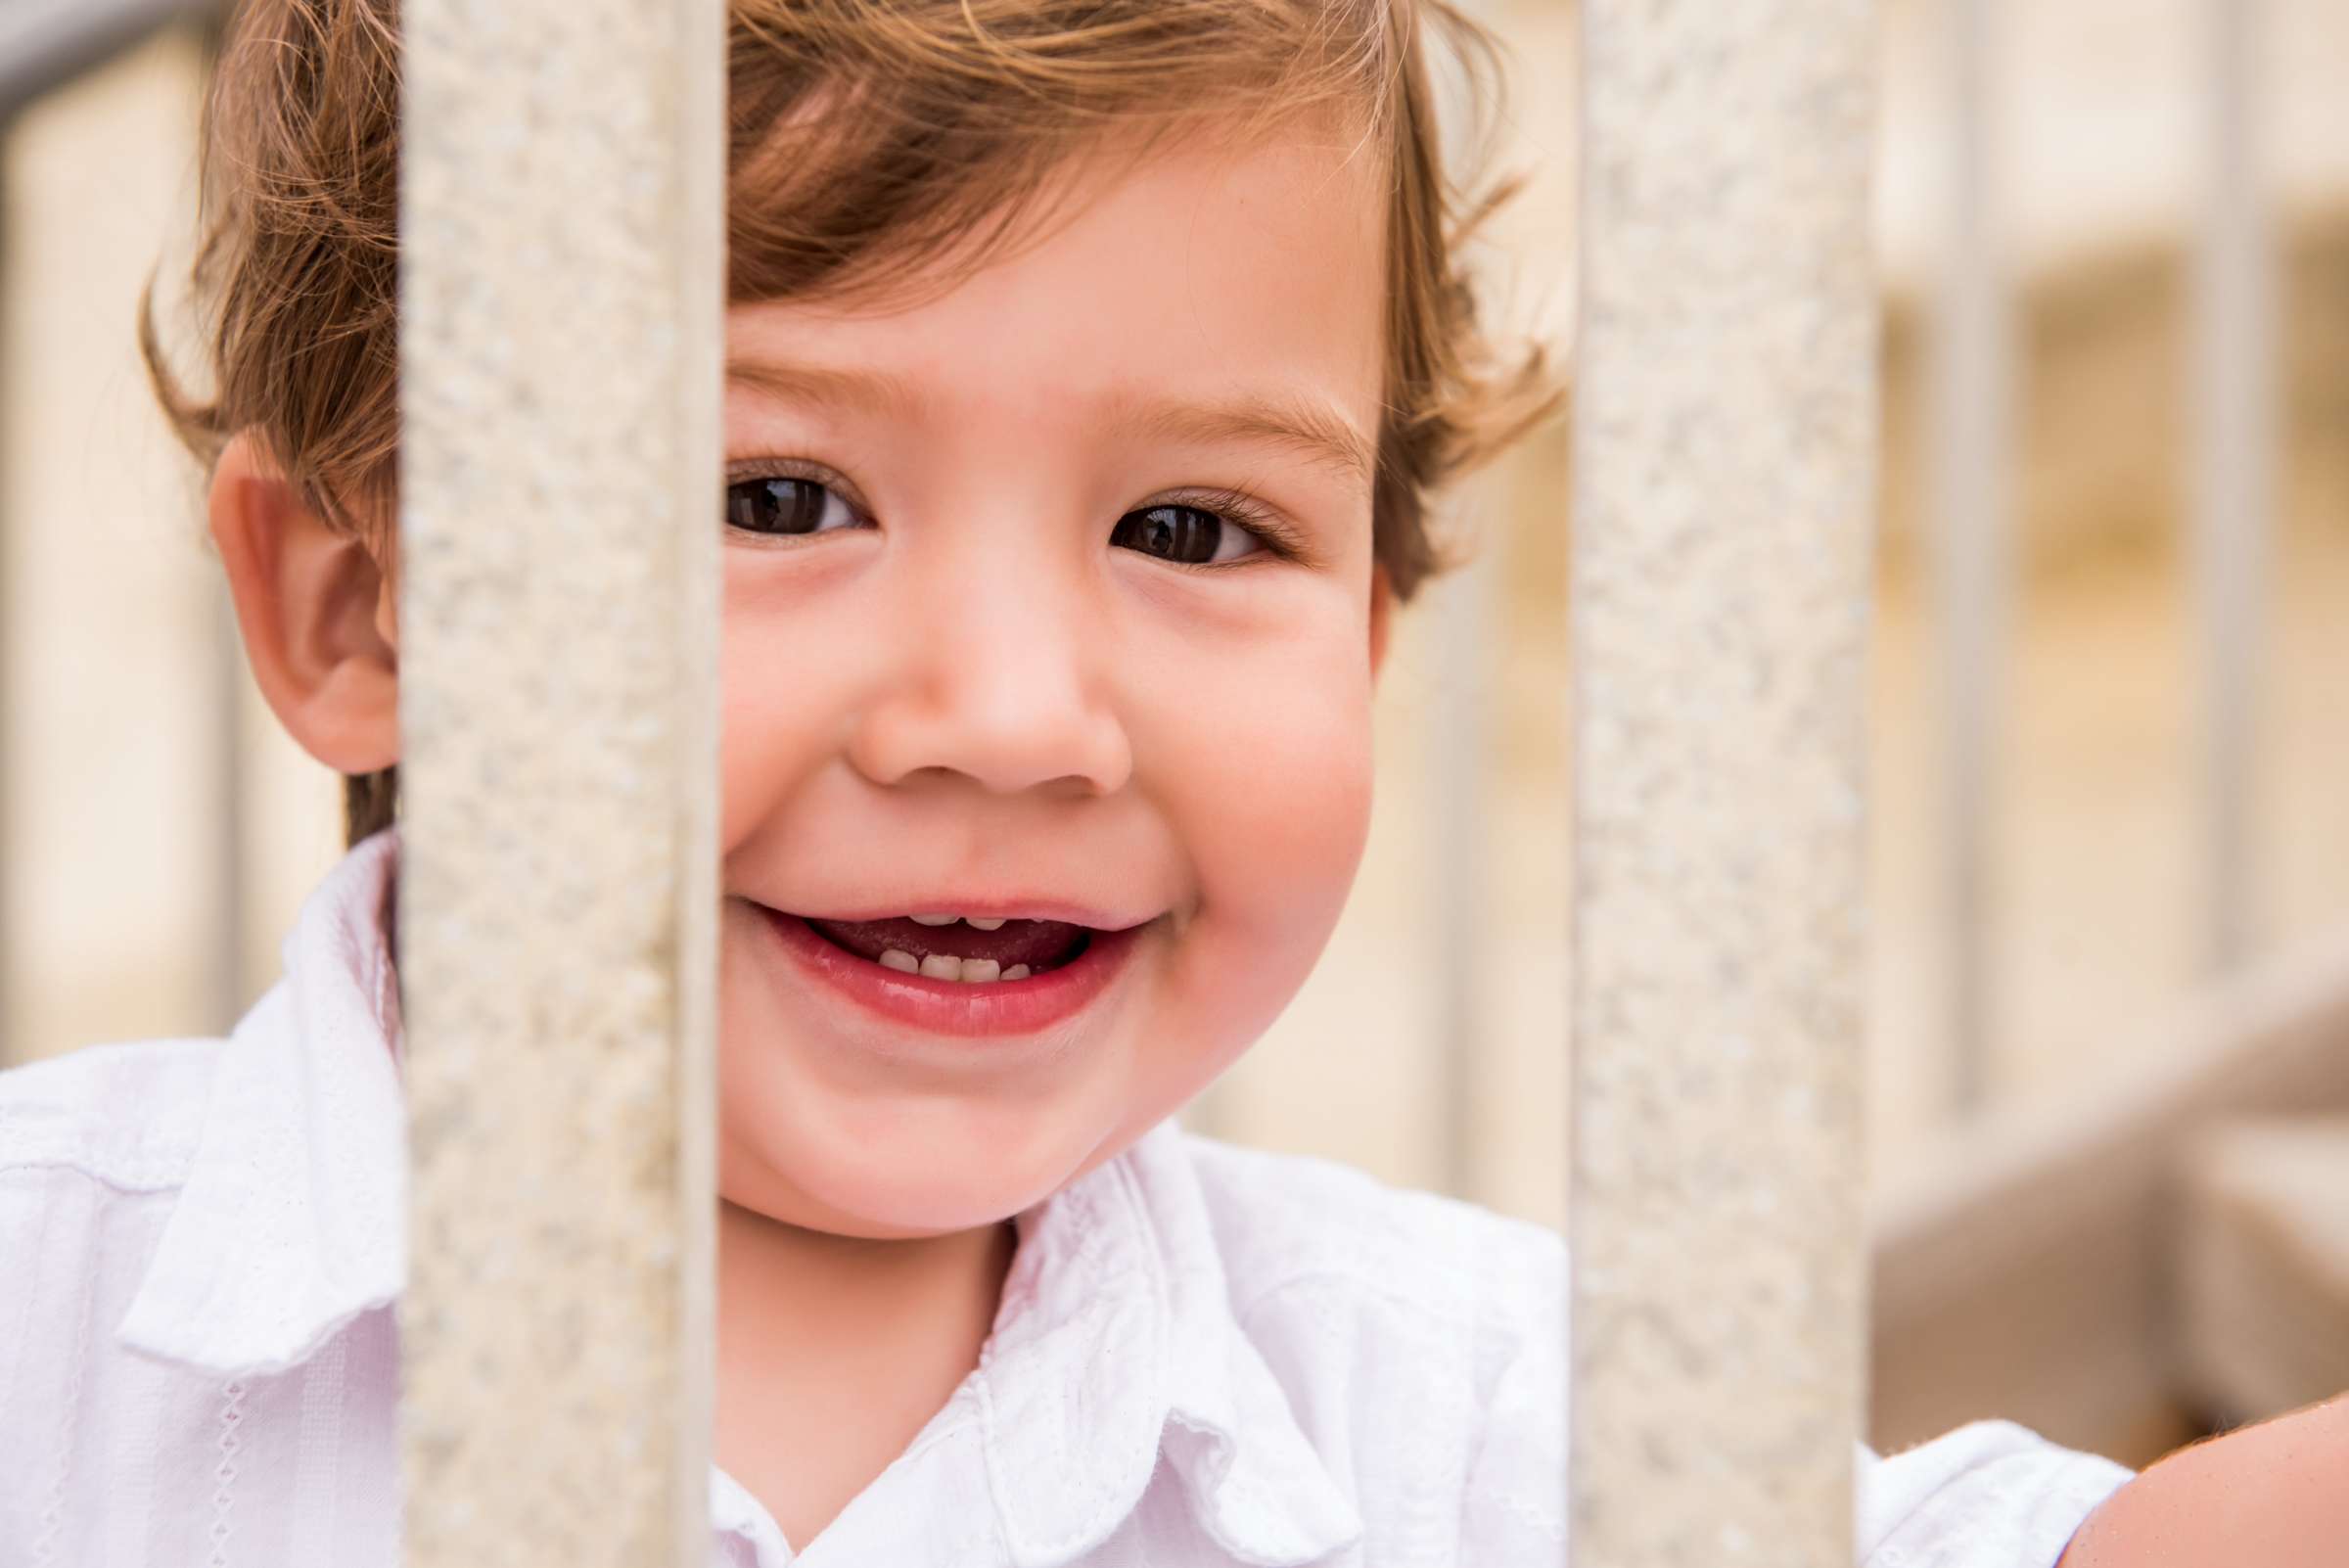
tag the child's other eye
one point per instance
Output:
(1187, 536)
(788, 504)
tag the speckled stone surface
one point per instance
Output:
(1724, 431)
(561, 291)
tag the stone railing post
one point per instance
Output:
(1724, 465)
(560, 372)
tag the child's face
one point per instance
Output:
(960, 677)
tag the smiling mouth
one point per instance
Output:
(978, 978)
(948, 947)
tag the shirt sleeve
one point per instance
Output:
(1990, 1494)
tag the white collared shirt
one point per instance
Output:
(1204, 1357)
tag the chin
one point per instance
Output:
(911, 1171)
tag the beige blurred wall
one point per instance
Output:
(117, 683)
(2097, 909)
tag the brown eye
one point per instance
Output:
(1188, 536)
(782, 504)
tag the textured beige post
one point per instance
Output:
(2233, 410)
(1725, 430)
(560, 470)
(1972, 458)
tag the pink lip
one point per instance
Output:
(992, 908)
(1001, 1007)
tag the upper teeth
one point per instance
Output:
(975, 921)
(945, 966)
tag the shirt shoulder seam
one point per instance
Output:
(127, 1116)
(124, 1178)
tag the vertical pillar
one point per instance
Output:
(1460, 787)
(10, 650)
(1971, 469)
(2233, 489)
(561, 293)
(1724, 431)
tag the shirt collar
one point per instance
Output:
(1115, 1344)
(291, 1217)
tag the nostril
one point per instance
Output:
(1062, 744)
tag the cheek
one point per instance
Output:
(783, 674)
(1272, 800)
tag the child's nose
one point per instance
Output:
(1001, 678)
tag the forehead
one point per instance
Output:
(1252, 268)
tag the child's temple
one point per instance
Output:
(857, 568)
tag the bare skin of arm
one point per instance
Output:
(2276, 1494)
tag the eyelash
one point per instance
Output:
(806, 473)
(1281, 539)
(1241, 510)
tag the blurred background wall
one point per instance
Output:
(157, 834)
(2097, 927)
(155, 830)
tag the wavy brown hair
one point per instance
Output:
(866, 138)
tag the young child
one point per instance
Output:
(1089, 376)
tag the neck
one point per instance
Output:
(833, 1352)
(816, 1282)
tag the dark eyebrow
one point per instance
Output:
(874, 390)
(1314, 429)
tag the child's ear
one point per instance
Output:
(317, 609)
(1382, 606)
